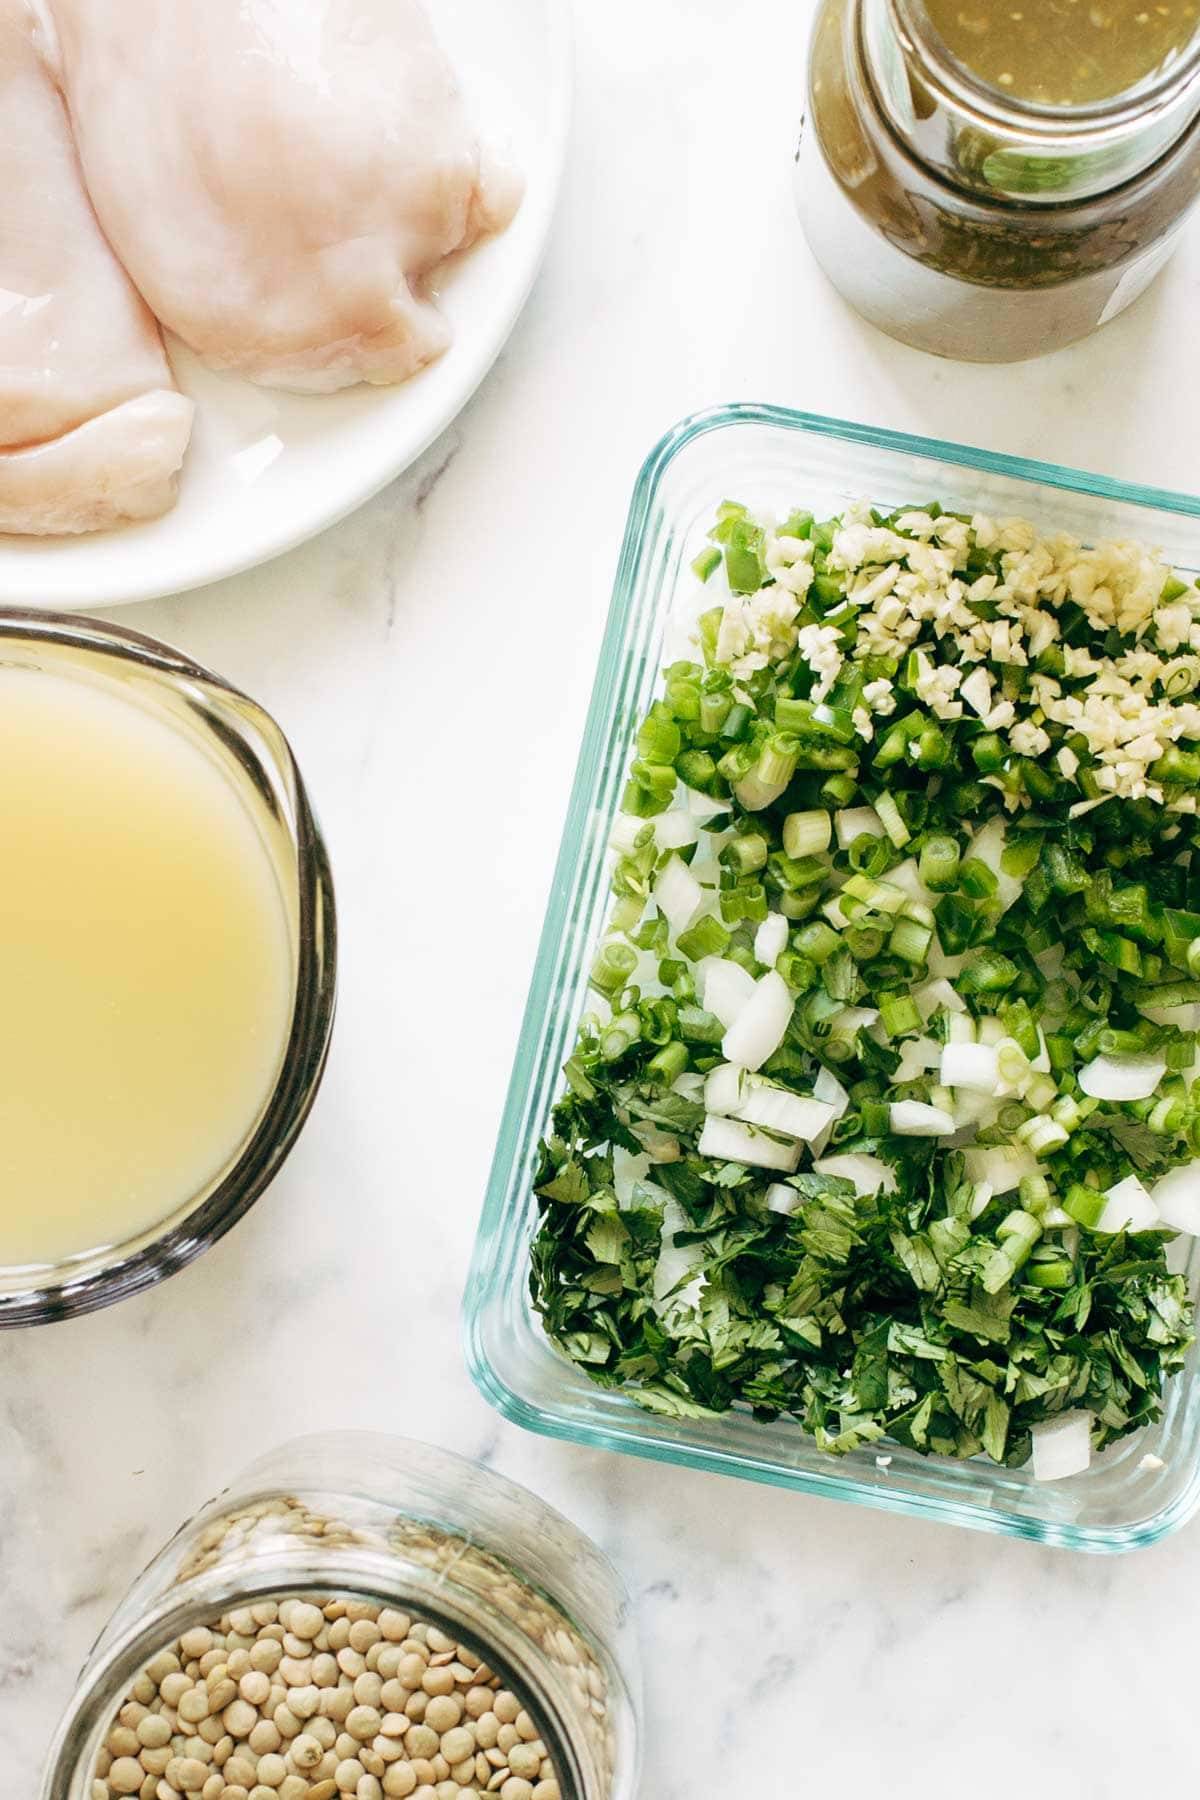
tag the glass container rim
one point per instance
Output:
(951, 78)
(47, 1301)
(495, 1223)
(359, 1574)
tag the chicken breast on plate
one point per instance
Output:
(92, 429)
(280, 177)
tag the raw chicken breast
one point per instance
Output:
(279, 175)
(92, 431)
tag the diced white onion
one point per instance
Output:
(987, 846)
(1128, 1208)
(917, 1057)
(1177, 1198)
(770, 940)
(942, 966)
(775, 1109)
(982, 1198)
(782, 1199)
(1002, 1166)
(853, 822)
(907, 877)
(1122, 1078)
(972, 1066)
(870, 1174)
(628, 1171)
(761, 1025)
(675, 830)
(727, 988)
(723, 1089)
(1062, 1447)
(938, 996)
(989, 1030)
(755, 794)
(968, 1108)
(625, 833)
(677, 1263)
(703, 807)
(960, 1029)
(1187, 1018)
(1050, 961)
(853, 1019)
(827, 1087)
(912, 1118)
(677, 894)
(728, 1140)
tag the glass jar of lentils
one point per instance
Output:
(361, 1618)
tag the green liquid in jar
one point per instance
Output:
(1065, 52)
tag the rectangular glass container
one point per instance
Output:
(1141, 1488)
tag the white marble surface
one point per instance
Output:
(431, 659)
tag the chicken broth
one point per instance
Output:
(145, 964)
(1065, 52)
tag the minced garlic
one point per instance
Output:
(916, 594)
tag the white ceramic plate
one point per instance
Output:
(266, 470)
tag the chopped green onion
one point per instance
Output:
(838, 791)
(707, 937)
(700, 1027)
(938, 863)
(800, 972)
(714, 710)
(807, 833)
(898, 1014)
(892, 820)
(1056, 1273)
(817, 941)
(880, 896)
(864, 942)
(988, 973)
(613, 967)
(746, 853)
(668, 1064)
(1041, 1135)
(1085, 1204)
(910, 940)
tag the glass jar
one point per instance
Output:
(364, 1516)
(249, 747)
(968, 221)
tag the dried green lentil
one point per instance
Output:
(299, 1701)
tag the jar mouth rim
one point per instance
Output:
(950, 78)
(40, 1294)
(358, 1574)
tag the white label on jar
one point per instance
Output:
(1137, 277)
